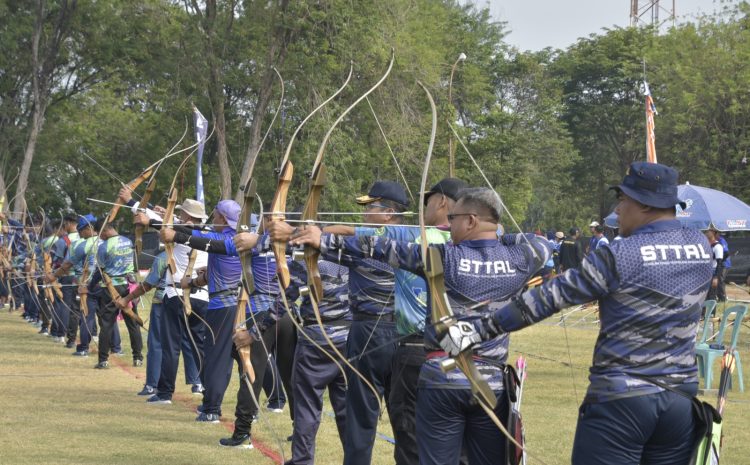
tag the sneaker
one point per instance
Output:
(199, 409)
(119, 353)
(147, 391)
(36, 324)
(70, 344)
(197, 389)
(275, 408)
(81, 353)
(207, 417)
(102, 365)
(137, 362)
(58, 339)
(44, 332)
(241, 441)
(158, 400)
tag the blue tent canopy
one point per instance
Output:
(705, 208)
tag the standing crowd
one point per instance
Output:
(354, 318)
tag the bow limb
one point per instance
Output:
(278, 205)
(318, 181)
(114, 295)
(139, 228)
(189, 272)
(441, 312)
(249, 192)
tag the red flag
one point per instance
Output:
(650, 136)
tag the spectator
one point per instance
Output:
(593, 241)
(721, 292)
(718, 251)
(601, 239)
(571, 250)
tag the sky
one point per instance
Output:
(536, 24)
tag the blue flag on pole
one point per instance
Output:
(201, 126)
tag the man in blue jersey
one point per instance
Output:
(650, 286)
(371, 343)
(114, 256)
(58, 253)
(478, 267)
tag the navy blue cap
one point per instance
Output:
(385, 190)
(651, 184)
(85, 220)
(449, 187)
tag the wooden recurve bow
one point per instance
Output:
(278, 213)
(310, 213)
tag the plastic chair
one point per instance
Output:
(709, 307)
(706, 354)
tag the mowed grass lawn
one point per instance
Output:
(59, 410)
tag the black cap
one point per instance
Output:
(651, 184)
(449, 187)
(385, 190)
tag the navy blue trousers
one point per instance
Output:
(217, 359)
(656, 429)
(313, 373)
(173, 330)
(70, 292)
(450, 418)
(88, 325)
(107, 313)
(362, 412)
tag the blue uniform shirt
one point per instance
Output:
(650, 287)
(333, 308)
(371, 282)
(475, 272)
(224, 271)
(156, 276)
(411, 290)
(115, 257)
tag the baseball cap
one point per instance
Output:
(651, 184)
(594, 224)
(560, 235)
(230, 210)
(385, 190)
(84, 221)
(193, 208)
(449, 187)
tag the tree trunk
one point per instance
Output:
(264, 98)
(43, 70)
(280, 40)
(216, 94)
(37, 117)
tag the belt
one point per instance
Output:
(371, 316)
(227, 292)
(415, 340)
(341, 321)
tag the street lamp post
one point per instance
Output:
(451, 148)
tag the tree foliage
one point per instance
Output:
(551, 130)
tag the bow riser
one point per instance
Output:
(243, 225)
(317, 184)
(278, 207)
(239, 324)
(114, 295)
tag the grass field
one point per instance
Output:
(59, 410)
